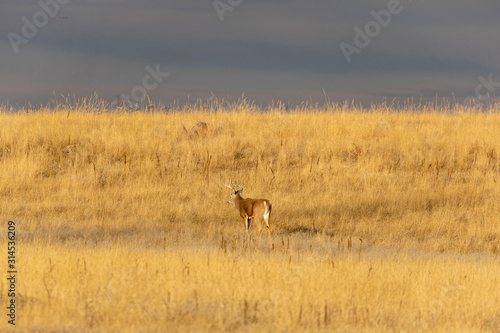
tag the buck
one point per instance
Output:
(257, 209)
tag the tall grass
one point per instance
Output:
(117, 289)
(138, 199)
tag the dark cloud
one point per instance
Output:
(280, 49)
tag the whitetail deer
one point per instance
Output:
(257, 209)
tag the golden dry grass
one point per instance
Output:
(122, 222)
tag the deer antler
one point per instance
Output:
(233, 186)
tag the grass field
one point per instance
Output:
(382, 220)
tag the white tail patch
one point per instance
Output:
(266, 211)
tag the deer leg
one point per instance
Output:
(268, 226)
(267, 217)
(247, 224)
(259, 225)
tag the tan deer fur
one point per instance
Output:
(257, 209)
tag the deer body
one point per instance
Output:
(257, 209)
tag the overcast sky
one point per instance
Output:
(282, 50)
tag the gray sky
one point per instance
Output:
(281, 50)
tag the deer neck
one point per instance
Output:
(237, 200)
